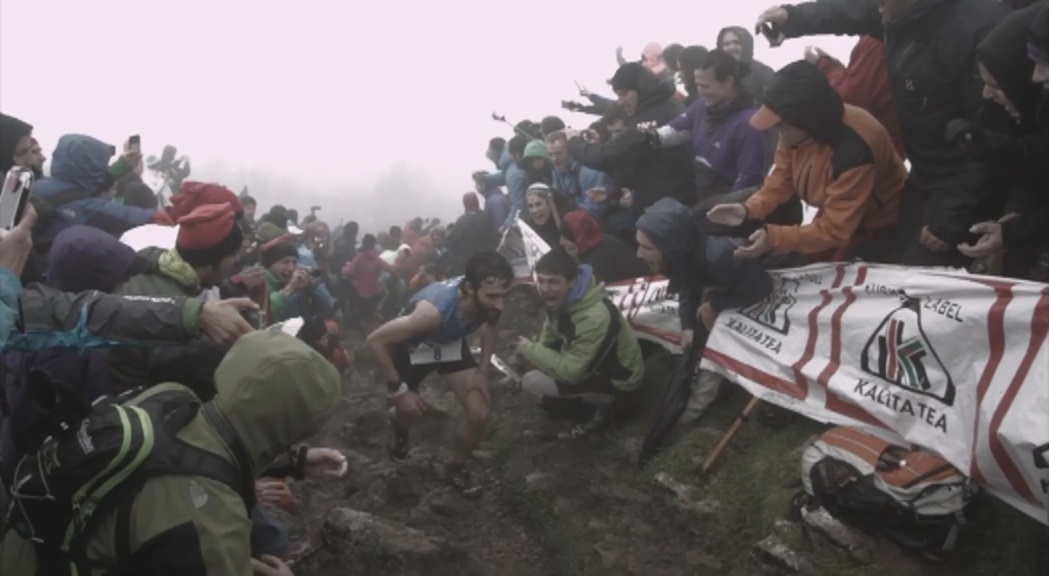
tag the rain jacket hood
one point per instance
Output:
(83, 258)
(81, 161)
(586, 232)
(672, 228)
(652, 91)
(275, 391)
(803, 96)
(585, 291)
(746, 41)
(1004, 53)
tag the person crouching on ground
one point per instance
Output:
(587, 349)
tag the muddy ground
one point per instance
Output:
(582, 507)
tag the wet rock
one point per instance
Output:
(356, 460)
(441, 403)
(536, 481)
(367, 540)
(370, 427)
(597, 525)
(632, 445)
(706, 564)
(859, 546)
(773, 552)
(786, 530)
(444, 503)
(685, 497)
(561, 505)
(404, 490)
(609, 550)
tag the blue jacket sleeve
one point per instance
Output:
(517, 186)
(112, 217)
(750, 157)
(495, 180)
(742, 281)
(322, 299)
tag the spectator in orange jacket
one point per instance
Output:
(833, 156)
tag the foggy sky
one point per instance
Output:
(376, 111)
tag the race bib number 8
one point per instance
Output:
(434, 354)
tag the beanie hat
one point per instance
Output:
(208, 234)
(277, 251)
(11, 131)
(536, 149)
(471, 203)
(194, 194)
(268, 232)
(628, 77)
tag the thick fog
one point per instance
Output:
(377, 112)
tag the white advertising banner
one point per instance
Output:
(955, 363)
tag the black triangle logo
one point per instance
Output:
(899, 353)
(772, 311)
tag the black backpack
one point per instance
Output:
(63, 492)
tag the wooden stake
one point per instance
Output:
(727, 438)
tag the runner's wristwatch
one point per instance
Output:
(397, 392)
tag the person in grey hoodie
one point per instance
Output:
(738, 42)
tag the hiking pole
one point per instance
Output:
(724, 442)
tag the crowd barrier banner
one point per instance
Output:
(952, 362)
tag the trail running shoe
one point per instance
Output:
(459, 478)
(398, 448)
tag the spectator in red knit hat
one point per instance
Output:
(208, 243)
(194, 194)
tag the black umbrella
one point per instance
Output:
(675, 398)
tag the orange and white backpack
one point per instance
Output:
(914, 497)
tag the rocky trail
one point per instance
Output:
(582, 507)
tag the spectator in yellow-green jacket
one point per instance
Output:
(587, 350)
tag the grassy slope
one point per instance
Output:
(754, 481)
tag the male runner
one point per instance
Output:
(430, 335)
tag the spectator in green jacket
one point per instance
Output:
(587, 349)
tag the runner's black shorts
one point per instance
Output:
(413, 375)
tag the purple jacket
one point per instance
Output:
(734, 149)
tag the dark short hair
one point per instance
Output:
(246, 200)
(368, 242)
(485, 265)
(551, 124)
(602, 129)
(351, 229)
(670, 54)
(517, 144)
(498, 143)
(724, 66)
(558, 262)
(395, 231)
(614, 113)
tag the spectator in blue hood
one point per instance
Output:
(671, 242)
(82, 259)
(81, 177)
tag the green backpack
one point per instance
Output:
(61, 494)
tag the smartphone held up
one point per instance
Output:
(14, 197)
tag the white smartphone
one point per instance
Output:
(14, 197)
